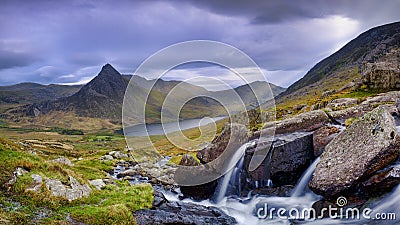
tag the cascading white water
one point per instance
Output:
(234, 164)
(304, 180)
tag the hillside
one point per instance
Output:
(344, 67)
(28, 93)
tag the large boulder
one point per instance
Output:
(366, 146)
(289, 156)
(233, 135)
(168, 212)
(307, 121)
(197, 192)
(322, 137)
(383, 74)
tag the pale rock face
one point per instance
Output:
(75, 191)
(366, 146)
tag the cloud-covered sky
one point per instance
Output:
(68, 41)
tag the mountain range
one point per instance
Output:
(346, 70)
(102, 98)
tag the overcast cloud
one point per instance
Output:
(68, 41)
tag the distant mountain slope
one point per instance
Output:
(344, 66)
(103, 98)
(28, 93)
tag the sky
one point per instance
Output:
(67, 42)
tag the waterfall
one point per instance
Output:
(305, 179)
(236, 164)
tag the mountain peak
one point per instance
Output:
(108, 70)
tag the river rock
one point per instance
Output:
(381, 182)
(291, 156)
(233, 134)
(118, 155)
(366, 146)
(198, 192)
(282, 191)
(72, 192)
(166, 212)
(322, 137)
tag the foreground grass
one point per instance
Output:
(33, 149)
(114, 204)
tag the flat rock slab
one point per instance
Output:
(166, 212)
(366, 146)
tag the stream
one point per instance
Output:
(255, 209)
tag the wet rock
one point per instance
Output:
(291, 154)
(98, 183)
(197, 192)
(128, 173)
(342, 103)
(366, 146)
(72, 192)
(322, 207)
(37, 183)
(382, 182)
(307, 121)
(233, 134)
(322, 137)
(166, 212)
(282, 191)
(118, 155)
(63, 160)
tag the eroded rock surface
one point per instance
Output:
(366, 146)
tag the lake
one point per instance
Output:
(160, 129)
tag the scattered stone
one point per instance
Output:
(106, 158)
(37, 183)
(75, 191)
(322, 137)
(366, 146)
(382, 182)
(17, 173)
(63, 160)
(98, 183)
(118, 155)
(342, 103)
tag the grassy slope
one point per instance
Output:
(111, 205)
